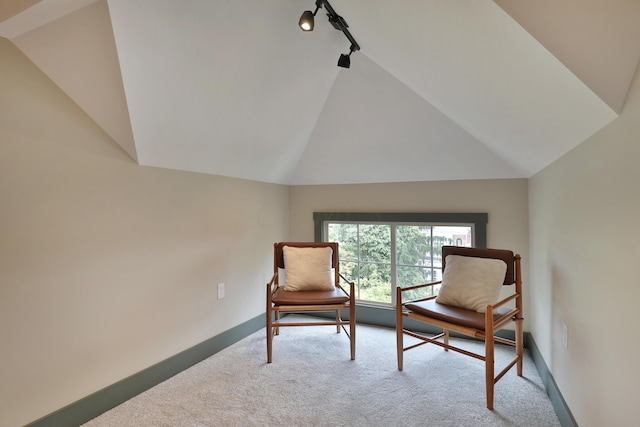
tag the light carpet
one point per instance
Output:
(312, 382)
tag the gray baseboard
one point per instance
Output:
(101, 401)
(559, 405)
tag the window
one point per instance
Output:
(382, 251)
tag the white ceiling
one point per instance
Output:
(441, 89)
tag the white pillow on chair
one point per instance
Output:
(307, 269)
(471, 282)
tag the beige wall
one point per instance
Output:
(505, 200)
(107, 267)
(584, 212)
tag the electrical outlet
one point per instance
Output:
(220, 290)
(565, 336)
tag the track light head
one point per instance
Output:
(344, 61)
(306, 20)
(307, 17)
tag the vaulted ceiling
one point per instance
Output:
(441, 89)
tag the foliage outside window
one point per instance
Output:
(382, 251)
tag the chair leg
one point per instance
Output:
(445, 339)
(519, 346)
(269, 336)
(338, 319)
(489, 358)
(399, 333)
(352, 330)
(489, 361)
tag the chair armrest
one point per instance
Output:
(498, 323)
(504, 301)
(272, 282)
(423, 285)
(350, 282)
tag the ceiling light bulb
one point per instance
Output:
(306, 21)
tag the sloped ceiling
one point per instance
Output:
(441, 89)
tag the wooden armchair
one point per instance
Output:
(312, 283)
(468, 304)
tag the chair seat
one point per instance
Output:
(451, 314)
(335, 296)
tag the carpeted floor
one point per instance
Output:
(312, 382)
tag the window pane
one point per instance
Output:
(349, 269)
(420, 293)
(347, 237)
(437, 274)
(375, 282)
(449, 235)
(409, 276)
(413, 245)
(375, 243)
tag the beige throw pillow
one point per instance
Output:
(471, 282)
(307, 269)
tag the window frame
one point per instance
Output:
(478, 220)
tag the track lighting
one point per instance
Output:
(306, 23)
(345, 60)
